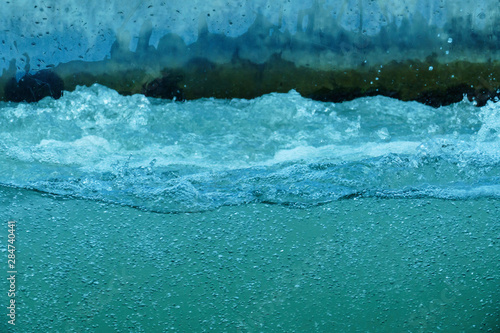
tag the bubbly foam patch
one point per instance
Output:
(172, 156)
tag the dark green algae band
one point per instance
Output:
(429, 82)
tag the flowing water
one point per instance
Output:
(277, 214)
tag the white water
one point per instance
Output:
(169, 156)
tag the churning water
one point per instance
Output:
(199, 155)
(291, 215)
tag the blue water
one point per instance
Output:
(377, 246)
(169, 156)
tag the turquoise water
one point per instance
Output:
(199, 155)
(278, 214)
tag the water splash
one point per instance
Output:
(280, 148)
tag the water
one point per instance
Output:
(199, 155)
(278, 214)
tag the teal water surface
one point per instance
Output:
(363, 265)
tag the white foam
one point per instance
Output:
(171, 156)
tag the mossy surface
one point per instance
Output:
(429, 81)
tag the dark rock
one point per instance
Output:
(165, 87)
(32, 88)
